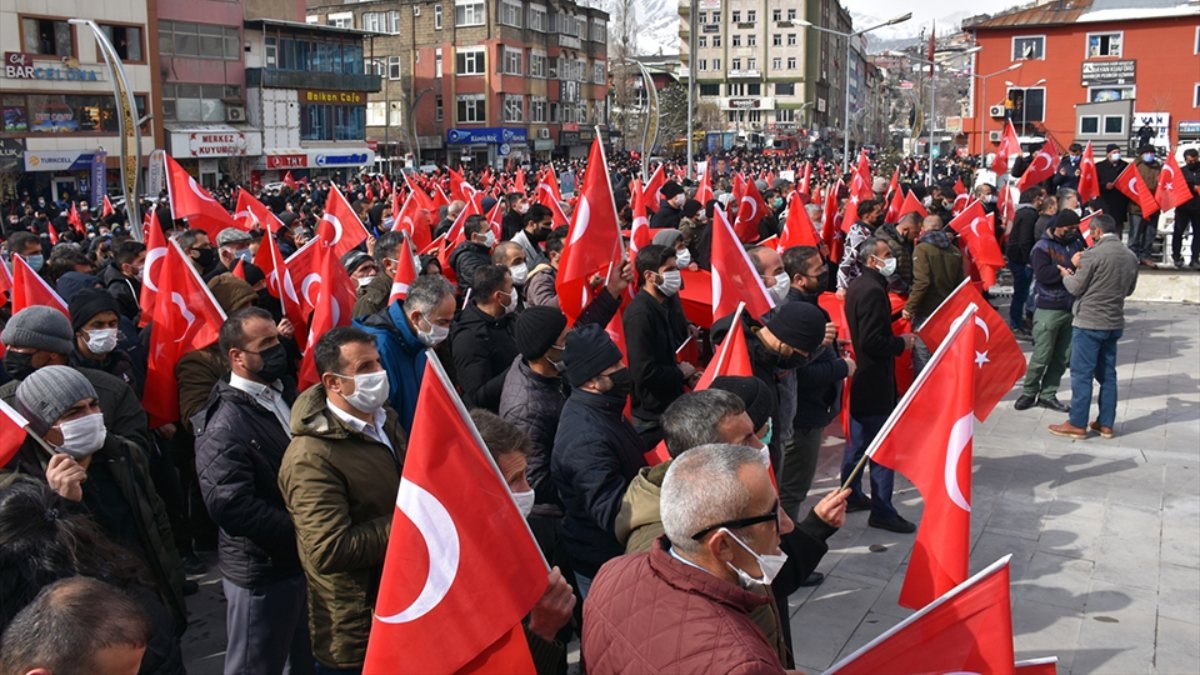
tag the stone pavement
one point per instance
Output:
(1104, 534)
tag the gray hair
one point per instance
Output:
(692, 419)
(868, 247)
(1104, 224)
(427, 292)
(1065, 194)
(701, 489)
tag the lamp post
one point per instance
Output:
(692, 26)
(932, 101)
(650, 125)
(848, 36)
(983, 105)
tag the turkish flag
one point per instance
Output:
(1089, 181)
(1173, 190)
(594, 239)
(289, 181)
(806, 181)
(156, 251)
(1010, 146)
(547, 194)
(75, 221)
(751, 209)
(6, 283)
(850, 213)
(1043, 666)
(108, 209)
(280, 284)
(333, 303)
(911, 204)
(639, 229)
(186, 318)
(12, 432)
(704, 191)
(734, 279)
(519, 181)
(406, 273)
(340, 226)
(1131, 185)
(239, 271)
(998, 357)
(495, 219)
(655, 183)
(462, 568)
(460, 189)
(438, 197)
(959, 188)
(418, 194)
(696, 297)
(829, 225)
(732, 357)
(977, 230)
(895, 204)
(29, 289)
(968, 630)
(190, 201)
(252, 212)
(927, 438)
(860, 182)
(798, 229)
(415, 220)
(1042, 167)
(1085, 227)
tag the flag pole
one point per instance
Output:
(902, 406)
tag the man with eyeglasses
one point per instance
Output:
(685, 605)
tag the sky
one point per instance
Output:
(948, 15)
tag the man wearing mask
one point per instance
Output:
(870, 216)
(900, 237)
(481, 339)
(873, 390)
(1188, 214)
(373, 296)
(95, 321)
(1052, 314)
(122, 277)
(538, 224)
(1020, 244)
(596, 452)
(510, 255)
(473, 253)
(241, 434)
(1068, 168)
(1115, 203)
(360, 268)
(514, 218)
(402, 333)
(670, 206)
(769, 265)
(1142, 229)
(654, 328)
(72, 449)
(29, 248)
(339, 479)
(232, 245)
(199, 249)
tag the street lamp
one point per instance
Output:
(847, 36)
(983, 105)
(932, 92)
(1025, 100)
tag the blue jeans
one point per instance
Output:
(1022, 276)
(862, 431)
(1094, 355)
(1141, 235)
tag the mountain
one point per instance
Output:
(657, 24)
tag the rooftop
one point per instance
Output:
(1062, 12)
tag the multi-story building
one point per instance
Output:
(825, 71)
(57, 96)
(483, 81)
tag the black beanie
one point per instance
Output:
(537, 330)
(757, 395)
(670, 189)
(589, 352)
(1065, 218)
(799, 325)
(254, 273)
(87, 303)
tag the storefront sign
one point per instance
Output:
(487, 136)
(20, 66)
(57, 160)
(11, 152)
(287, 161)
(543, 144)
(217, 144)
(99, 176)
(343, 158)
(568, 138)
(333, 97)
(1189, 128)
(1108, 72)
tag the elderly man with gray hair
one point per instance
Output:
(685, 606)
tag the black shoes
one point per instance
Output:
(894, 524)
(813, 579)
(1052, 403)
(1024, 402)
(855, 504)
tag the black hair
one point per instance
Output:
(127, 251)
(233, 331)
(327, 354)
(386, 245)
(797, 259)
(537, 213)
(475, 223)
(487, 280)
(651, 258)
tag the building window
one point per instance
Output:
(1029, 105)
(1089, 124)
(751, 40)
(321, 122)
(198, 40)
(702, 41)
(599, 31)
(510, 13)
(776, 63)
(737, 89)
(471, 109)
(791, 63)
(437, 63)
(1103, 44)
(791, 39)
(393, 67)
(537, 64)
(64, 113)
(754, 89)
(537, 18)
(438, 111)
(716, 40)
(342, 20)
(469, 13)
(514, 108)
(736, 41)
(716, 64)
(371, 22)
(703, 17)
(1114, 124)
(437, 17)
(785, 88)
(777, 14)
(751, 63)
(537, 108)
(376, 114)
(791, 15)
(313, 19)
(377, 67)
(1030, 47)
(703, 64)
(469, 61)
(735, 16)
(777, 40)
(710, 90)
(785, 116)
(393, 25)
(126, 40)
(751, 16)
(735, 64)
(599, 76)
(513, 61)
(47, 37)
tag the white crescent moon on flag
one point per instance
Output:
(640, 221)
(436, 527)
(583, 214)
(987, 333)
(960, 437)
(195, 188)
(179, 302)
(152, 256)
(1133, 185)
(306, 286)
(975, 224)
(717, 287)
(337, 226)
(753, 208)
(1041, 156)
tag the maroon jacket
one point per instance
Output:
(650, 613)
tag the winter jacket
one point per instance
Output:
(819, 382)
(128, 292)
(667, 217)
(902, 250)
(197, 373)
(403, 356)
(1044, 222)
(539, 288)
(1116, 204)
(1107, 275)
(483, 348)
(869, 316)
(596, 454)
(650, 346)
(533, 403)
(120, 496)
(340, 488)
(1021, 239)
(710, 629)
(1047, 255)
(239, 448)
(116, 363)
(1149, 173)
(1065, 175)
(937, 271)
(373, 297)
(466, 258)
(1191, 174)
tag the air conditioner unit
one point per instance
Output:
(994, 136)
(996, 111)
(544, 134)
(235, 113)
(416, 10)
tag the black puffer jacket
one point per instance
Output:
(127, 291)
(464, 260)
(239, 447)
(1022, 238)
(483, 348)
(533, 403)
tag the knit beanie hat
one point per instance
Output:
(666, 237)
(72, 282)
(231, 292)
(1065, 218)
(589, 351)
(760, 400)
(670, 189)
(49, 392)
(537, 329)
(799, 325)
(87, 303)
(692, 207)
(354, 260)
(39, 327)
(253, 273)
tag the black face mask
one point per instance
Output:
(274, 364)
(822, 281)
(1068, 237)
(539, 235)
(622, 383)
(18, 366)
(206, 258)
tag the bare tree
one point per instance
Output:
(623, 48)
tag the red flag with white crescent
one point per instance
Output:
(1130, 184)
(798, 229)
(594, 239)
(281, 285)
(1089, 180)
(751, 209)
(1010, 146)
(190, 201)
(734, 278)
(29, 289)
(1173, 190)
(1042, 167)
(330, 291)
(12, 432)
(406, 272)
(340, 226)
(654, 183)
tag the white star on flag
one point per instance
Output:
(981, 358)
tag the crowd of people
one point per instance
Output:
(683, 564)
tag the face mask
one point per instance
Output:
(822, 281)
(1114, 157)
(83, 436)
(782, 283)
(489, 239)
(770, 564)
(102, 341)
(1068, 237)
(363, 282)
(766, 440)
(777, 204)
(683, 257)
(274, 363)
(18, 365)
(539, 235)
(434, 336)
(370, 391)
(1148, 157)
(888, 269)
(524, 502)
(206, 257)
(520, 273)
(521, 208)
(989, 199)
(512, 301)
(678, 201)
(622, 383)
(36, 261)
(245, 254)
(671, 283)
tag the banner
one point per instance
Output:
(99, 177)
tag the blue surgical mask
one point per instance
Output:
(766, 439)
(1148, 157)
(35, 261)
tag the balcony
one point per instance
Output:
(569, 41)
(271, 78)
(743, 73)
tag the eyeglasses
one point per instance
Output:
(772, 516)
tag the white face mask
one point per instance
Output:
(434, 336)
(780, 290)
(370, 391)
(520, 273)
(671, 283)
(683, 257)
(512, 301)
(889, 268)
(769, 563)
(364, 281)
(83, 436)
(489, 239)
(102, 341)
(524, 502)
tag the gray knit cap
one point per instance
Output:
(49, 392)
(39, 327)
